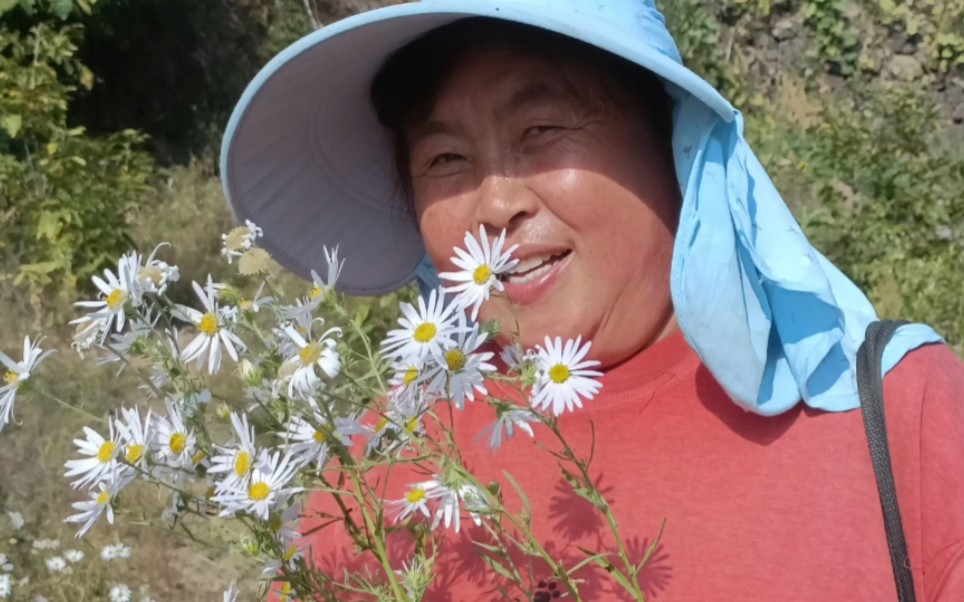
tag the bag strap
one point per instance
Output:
(871, 391)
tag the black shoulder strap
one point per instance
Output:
(871, 391)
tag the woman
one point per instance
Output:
(647, 225)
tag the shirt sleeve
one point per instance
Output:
(930, 490)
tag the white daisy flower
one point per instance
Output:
(87, 335)
(323, 285)
(480, 266)
(430, 328)
(101, 464)
(74, 556)
(176, 442)
(514, 358)
(136, 438)
(397, 425)
(46, 544)
(415, 500)
(310, 445)
(314, 358)
(409, 372)
(238, 458)
(5, 564)
(93, 508)
(6, 586)
(285, 525)
(255, 304)
(16, 374)
(563, 377)
(154, 275)
(239, 240)
(119, 593)
(56, 564)
(115, 292)
(508, 419)
(267, 489)
(213, 331)
(289, 560)
(461, 366)
(115, 551)
(449, 501)
(16, 520)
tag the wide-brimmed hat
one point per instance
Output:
(305, 158)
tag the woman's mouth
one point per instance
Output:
(532, 276)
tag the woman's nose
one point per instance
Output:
(502, 201)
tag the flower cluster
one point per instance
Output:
(320, 402)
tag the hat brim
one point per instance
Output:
(305, 158)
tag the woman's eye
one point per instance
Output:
(537, 130)
(444, 159)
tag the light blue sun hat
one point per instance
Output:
(305, 158)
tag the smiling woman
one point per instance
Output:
(563, 146)
(638, 218)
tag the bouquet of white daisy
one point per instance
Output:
(313, 409)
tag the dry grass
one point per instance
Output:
(189, 212)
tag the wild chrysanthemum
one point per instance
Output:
(115, 552)
(16, 520)
(116, 291)
(564, 378)
(119, 593)
(480, 266)
(321, 286)
(56, 564)
(136, 439)
(310, 444)
(101, 464)
(239, 240)
(267, 489)
(415, 500)
(213, 331)
(174, 440)
(514, 358)
(408, 372)
(313, 358)
(460, 368)
(430, 328)
(450, 499)
(16, 374)
(508, 419)
(154, 275)
(6, 586)
(92, 509)
(74, 556)
(237, 459)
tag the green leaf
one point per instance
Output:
(11, 123)
(62, 8)
(522, 494)
(6, 5)
(498, 568)
(49, 225)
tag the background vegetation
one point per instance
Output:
(111, 113)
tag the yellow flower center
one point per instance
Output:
(319, 437)
(411, 424)
(559, 373)
(152, 273)
(242, 463)
(482, 274)
(381, 424)
(197, 457)
(209, 324)
(316, 292)
(11, 377)
(116, 298)
(410, 375)
(178, 442)
(134, 453)
(415, 496)
(455, 359)
(286, 592)
(103, 498)
(425, 332)
(237, 238)
(310, 354)
(290, 553)
(106, 452)
(259, 491)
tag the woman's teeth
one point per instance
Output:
(531, 268)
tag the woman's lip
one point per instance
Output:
(526, 293)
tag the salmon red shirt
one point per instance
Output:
(755, 508)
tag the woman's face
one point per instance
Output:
(571, 172)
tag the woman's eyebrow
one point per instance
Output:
(533, 92)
